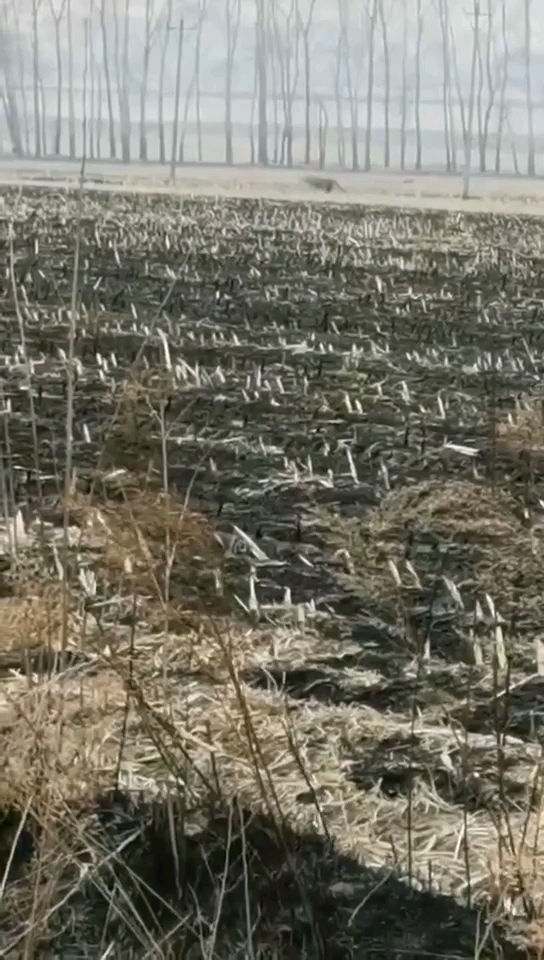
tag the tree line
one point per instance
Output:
(333, 61)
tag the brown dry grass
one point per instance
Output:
(520, 437)
(138, 535)
(163, 708)
(507, 555)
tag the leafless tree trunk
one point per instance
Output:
(71, 108)
(122, 79)
(442, 13)
(387, 87)
(150, 26)
(341, 145)
(107, 79)
(323, 132)
(370, 85)
(176, 103)
(492, 79)
(43, 117)
(86, 48)
(458, 87)
(57, 18)
(36, 79)
(11, 19)
(479, 109)
(286, 39)
(528, 91)
(468, 139)
(198, 50)
(252, 116)
(12, 119)
(261, 54)
(9, 86)
(91, 67)
(275, 102)
(404, 91)
(512, 143)
(233, 11)
(417, 99)
(98, 113)
(305, 26)
(352, 88)
(188, 97)
(164, 52)
(125, 90)
(504, 82)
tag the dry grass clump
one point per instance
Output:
(60, 737)
(492, 550)
(134, 435)
(150, 541)
(32, 618)
(521, 436)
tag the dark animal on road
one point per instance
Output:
(323, 183)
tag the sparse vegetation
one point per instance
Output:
(274, 689)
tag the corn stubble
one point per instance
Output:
(269, 687)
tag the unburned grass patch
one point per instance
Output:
(150, 541)
(520, 436)
(440, 549)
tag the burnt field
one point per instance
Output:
(271, 675)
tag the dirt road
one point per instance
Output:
(514, 195)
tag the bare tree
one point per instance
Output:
(458, 88)
(337, 79)
(188, 97)
(305, 25)
(468, 138)
(447, 101)
(273, 90)
(387, 85)
(107, 78)
(71, 108)
(167, 29)
(122, 78)
(150, 33)
(404, 85)
(36, 4)
(503, 85)
(479, 107)
(91, 70)
(351, 63)
(98, 112)
(252, 115)
(202, 11)
(528, 91)
(491, 83)
(286, 37)
(86, 48)
(232, 25)
(417, 97)
(261, 58)
(176, 102)
(372, 15)
(125, 89)
(323, 131)
(9, 39)
(43, 112)
(57, 14)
